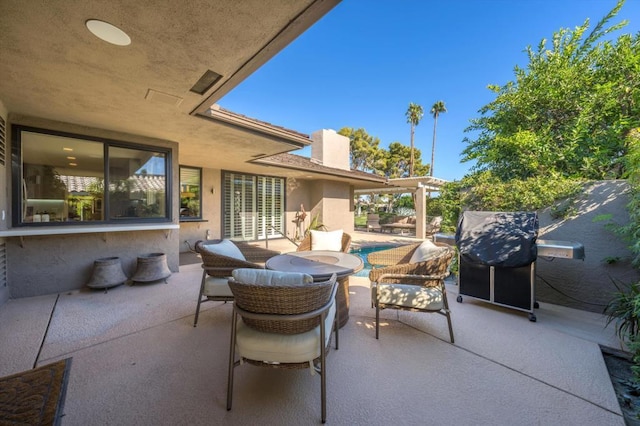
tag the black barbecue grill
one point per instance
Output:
(497, 257)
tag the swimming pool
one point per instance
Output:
(364, 251)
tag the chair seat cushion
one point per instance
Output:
(326, 240)
(268, 277)
(282, 348)
(410, 296)
(216, 287)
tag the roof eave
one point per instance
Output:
(297, 140)
(325, 171)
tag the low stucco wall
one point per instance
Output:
(54, 264)
(587, 284)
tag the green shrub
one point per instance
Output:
(361, 220)
(485, 192)
(624, 308)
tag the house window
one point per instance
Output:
(253, 206)
(190, 193)
(60, 179)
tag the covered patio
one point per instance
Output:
(137, 359)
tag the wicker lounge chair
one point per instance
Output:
(397, 283)
(305, 244)
(402, 223)
(217, 268)
(286, 322)
(373, 222)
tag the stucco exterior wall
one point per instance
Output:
(38, 265)
(59, 263)
(331, 201)
(587, 284)
(330, 149)
(298, 194)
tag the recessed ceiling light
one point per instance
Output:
(107, 32)
(67, 149)
(73, 164)
(71, 158)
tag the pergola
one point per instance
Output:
(418, 185)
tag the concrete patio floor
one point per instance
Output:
(137, 359)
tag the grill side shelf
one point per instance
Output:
(546, 248)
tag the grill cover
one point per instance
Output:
(503, 239)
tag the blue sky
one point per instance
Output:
(366, 60)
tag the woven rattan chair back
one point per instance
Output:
(305, 244)
(281, 300)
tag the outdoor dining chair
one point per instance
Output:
(326, 240)
(282, 320)
(411, 278)
(219, 259)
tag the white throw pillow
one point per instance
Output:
(426, 251)
(223, 248)
(326, 240)
(267, 277)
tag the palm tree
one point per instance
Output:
(414, 115)
(436, 109)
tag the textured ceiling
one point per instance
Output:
(52, 67)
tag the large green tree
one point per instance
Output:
(365, 149)
(567, 113)
(394, 162)
(414, 115)
(436, 109)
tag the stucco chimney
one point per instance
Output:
(330, 149)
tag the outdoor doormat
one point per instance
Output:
(35, 397)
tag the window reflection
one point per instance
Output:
(136, 183)
(61, 178)
(190, 190)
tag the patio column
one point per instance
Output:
(421, 211)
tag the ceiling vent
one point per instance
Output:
(163, 98)
(208, 79)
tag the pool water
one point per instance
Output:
(364, 251)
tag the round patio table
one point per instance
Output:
(321, 264)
